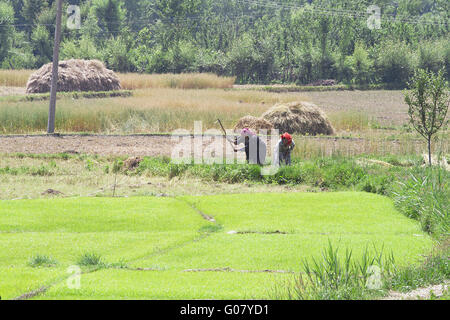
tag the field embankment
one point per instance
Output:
(162, 145)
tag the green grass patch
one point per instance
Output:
(153, 241)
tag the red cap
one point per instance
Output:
(287, 137)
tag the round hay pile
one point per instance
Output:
(299, 117)
(253, 123)
(75, 75)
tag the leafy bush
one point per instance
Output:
(182, 57)
(288, 175)
(42, 45)
(379, 184)
(336, 174)
(155, 59)
(82, 49)
(446, 48)
(431, 56)
(211, 61)
(395, 63)
(361, 65)
(116, 55)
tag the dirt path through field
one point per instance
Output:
(10, 91)
(157, 145)
(104, 145)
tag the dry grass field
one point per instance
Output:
(133, 81)
(366, 122)
(14, 78)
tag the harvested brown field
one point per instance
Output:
(75, 75)
(385, 107)
(299, 117)
(153, 145)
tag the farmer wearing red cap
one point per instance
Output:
(282, 152)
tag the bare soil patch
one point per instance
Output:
(387, 107)
(149, 145)
(52, 192)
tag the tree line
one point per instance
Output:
(258, 41)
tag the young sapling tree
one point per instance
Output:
(428, 102)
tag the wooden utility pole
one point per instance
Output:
(52, 108)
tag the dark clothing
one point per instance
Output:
(256, 155)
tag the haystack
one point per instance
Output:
(75, 75)
(299, 117)
(253, 123)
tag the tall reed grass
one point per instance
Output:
(425, 196)
(337, 276)
(14, 78)
(133, 81)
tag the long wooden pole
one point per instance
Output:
(54, 88)
(225, 132)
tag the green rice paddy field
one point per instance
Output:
(193, 247)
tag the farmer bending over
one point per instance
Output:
(255, 149)
(282, 152)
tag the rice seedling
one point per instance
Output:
(39, 260)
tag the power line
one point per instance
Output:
(344, 12)
(331, 12)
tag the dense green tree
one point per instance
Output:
(42, 45)
(115, 55)
(431, 56)
(85, 48)
(258, 41)
(395, 63)
(6, 29)
(361, 65)
(31, 10)
(110, 15)
(428, 101)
